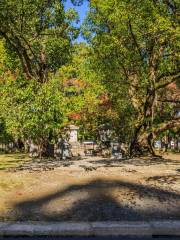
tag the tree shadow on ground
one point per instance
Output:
(135, 161)
(44, 164)
(164, 179)
(94, 201)
(47, 164)
(22, 156)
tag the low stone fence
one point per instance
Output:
(93, 149)
(7, 147)
(65, 150)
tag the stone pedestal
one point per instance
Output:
(75, 146)
(72, 131)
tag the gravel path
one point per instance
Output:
(92, 189)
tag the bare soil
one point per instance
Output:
(91, 189)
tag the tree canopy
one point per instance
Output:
(136, 45)
(39, 32)
(126, 74)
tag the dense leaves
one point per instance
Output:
(40, 32)
(87, 100)
(136, 45)
(126, 75)
(32, 111)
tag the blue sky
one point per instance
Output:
(81, 11)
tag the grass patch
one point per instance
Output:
(8, 161)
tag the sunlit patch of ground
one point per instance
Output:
(12, 160)
(89, 189)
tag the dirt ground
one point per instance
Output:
(91, 189)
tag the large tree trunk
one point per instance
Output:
(142, 143)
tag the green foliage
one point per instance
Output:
(4, 136)
(120, 77)
(136, 46)
(84, 96)
(32, 111)
(40, 32)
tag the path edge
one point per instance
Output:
(134, 228)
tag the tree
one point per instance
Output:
(32, 111)
(136, 47)
(36, 40)
(87, 101)
(39, 32)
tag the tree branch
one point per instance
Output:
(21, 52)
(169, 101)
(172, 77)
(172, 124)
(168, 74)
(135, 40)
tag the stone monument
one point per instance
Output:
(73, 133)
(75, 146)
